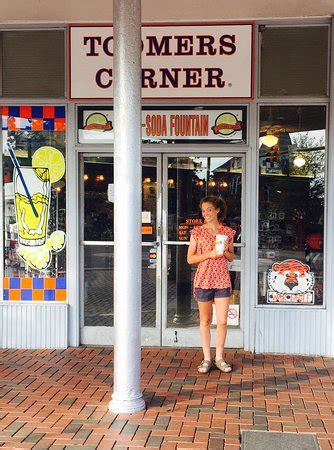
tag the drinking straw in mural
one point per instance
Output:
(290, 281)
(32, 190)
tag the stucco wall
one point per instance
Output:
(64, 11)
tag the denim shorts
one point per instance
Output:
(208, 295)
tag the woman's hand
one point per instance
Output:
(194, 258)
(214, 254)
(229, 252)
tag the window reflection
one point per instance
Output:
(99, 208)
(98, 179)
(189, 180)
(291, 195)
(192, 178)
(99, 287)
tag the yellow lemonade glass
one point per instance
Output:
(32, 229)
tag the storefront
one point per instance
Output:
(235, 110)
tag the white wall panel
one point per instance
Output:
(74, 11)
(33, 325)
(305, 332)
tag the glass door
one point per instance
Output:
(187, 179)
(97, 250)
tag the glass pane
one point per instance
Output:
(98, 226)
(149, 202)
(291, 204)
(149, 287)
(33, 63)
(99, 207)
(182, 310)
(189, 180)
(286, 65)
(34, 202)
(192, 178)
(98, 286)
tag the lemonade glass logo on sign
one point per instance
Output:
(226, 124)
(98, 122)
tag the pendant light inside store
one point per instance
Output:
(299, 161)
(270, 140)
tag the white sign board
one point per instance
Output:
(170, 125)
(180, 61)
(290, 282)
(232, 315)
(111, 193)
(146, 217)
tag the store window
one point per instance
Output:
(34, 198)
(294, 61)
(33, 63)
(292, 159)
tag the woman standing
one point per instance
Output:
(212, 281)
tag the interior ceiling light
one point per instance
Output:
(299, 161)
(270, 140)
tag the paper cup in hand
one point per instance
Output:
(221, 240)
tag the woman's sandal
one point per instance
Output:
(205, 366)
(223, 366)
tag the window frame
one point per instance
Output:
(285, 306)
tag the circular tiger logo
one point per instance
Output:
(290, 277)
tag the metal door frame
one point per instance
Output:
(189, 337)
(103, 335)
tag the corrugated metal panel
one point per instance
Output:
(305, 332)
(34, 325)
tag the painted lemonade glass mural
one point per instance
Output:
(34, 203)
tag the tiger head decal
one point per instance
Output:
(290, 277)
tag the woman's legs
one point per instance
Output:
(222, 305)
(205, 313)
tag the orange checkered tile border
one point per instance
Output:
(35, 289)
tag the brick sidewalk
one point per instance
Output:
(58, 399)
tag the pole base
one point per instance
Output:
(130, 406)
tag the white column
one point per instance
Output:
(127, 396)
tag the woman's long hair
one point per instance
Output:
(217, 202)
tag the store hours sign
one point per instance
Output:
(182, 61)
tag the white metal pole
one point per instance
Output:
(127, 396)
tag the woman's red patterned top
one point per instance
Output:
(211, 273)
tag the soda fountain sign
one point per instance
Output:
(168, 125)
(182, 61)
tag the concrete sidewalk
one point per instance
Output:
(59, 398)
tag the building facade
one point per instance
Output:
(236, 106)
